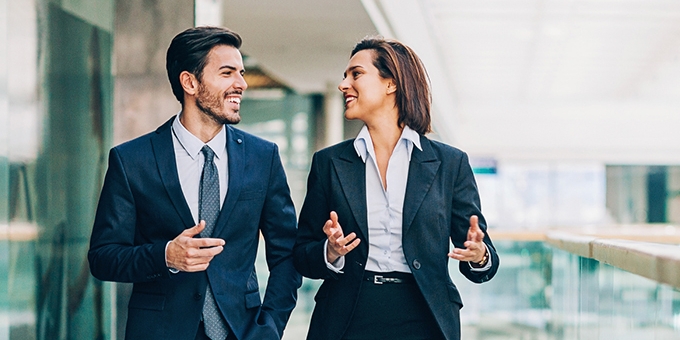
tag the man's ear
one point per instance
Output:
(391, 87)
(189, 83)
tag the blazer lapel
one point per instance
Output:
(236, 159)
(351, 171)
(164, 153)
(422, 170)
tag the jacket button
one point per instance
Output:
(416, 264)
(197, 296)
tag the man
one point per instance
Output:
(182, 208)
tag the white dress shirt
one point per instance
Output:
(385, 205)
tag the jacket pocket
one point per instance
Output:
(322, 293)
(147, 301)
(253, 300)
(454, 296)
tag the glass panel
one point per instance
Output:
(4, 175)
(56, 134)
(643, 194)
(285, 119)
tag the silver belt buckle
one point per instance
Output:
(377, 279)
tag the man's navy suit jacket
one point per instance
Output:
(441, 195)
(142, 207)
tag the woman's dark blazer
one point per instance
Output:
(441, 195)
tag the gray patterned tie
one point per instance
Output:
(208, 210)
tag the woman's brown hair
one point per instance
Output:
(396, 61)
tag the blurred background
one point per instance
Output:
(569, 110)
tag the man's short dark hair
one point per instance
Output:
(189, 50)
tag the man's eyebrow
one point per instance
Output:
(233, 68)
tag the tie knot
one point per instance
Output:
(208, 153)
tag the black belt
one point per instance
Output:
(390, 277)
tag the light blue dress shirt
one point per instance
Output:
(190, 160)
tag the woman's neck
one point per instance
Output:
(385, 133)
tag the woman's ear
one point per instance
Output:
(391, 87)
(189, 83)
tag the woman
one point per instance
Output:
(380, 210)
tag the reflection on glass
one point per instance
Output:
(545, 294)
(59, 133)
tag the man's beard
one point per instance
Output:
(211, 105)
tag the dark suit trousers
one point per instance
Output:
(395, 311)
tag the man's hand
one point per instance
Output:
(338, 244)
(474, 246)
(188, 254)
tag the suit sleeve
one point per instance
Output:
(279, 229)
(113, 255)
(309, 246)
(466, 203)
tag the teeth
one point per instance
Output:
(348, 99)
(234, 100)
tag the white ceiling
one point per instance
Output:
(304, 43)
(553, 79)
(560, 50)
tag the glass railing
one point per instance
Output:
(540, 292)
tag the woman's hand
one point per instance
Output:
(338, 244)
(475, 249)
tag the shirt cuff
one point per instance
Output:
(172, 270)
(335, 266)
(486, 267)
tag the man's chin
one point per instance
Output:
(231, 119)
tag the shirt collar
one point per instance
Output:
(193, 145)
(363, 144)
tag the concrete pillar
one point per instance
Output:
(143, 98)
(334, 115)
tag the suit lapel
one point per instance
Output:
(351, 171)
(164, 153)
(422, 170)
(236, 159)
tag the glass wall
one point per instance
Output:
(56, 131)
(644, 194)
(287, 119)
(536, 195)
